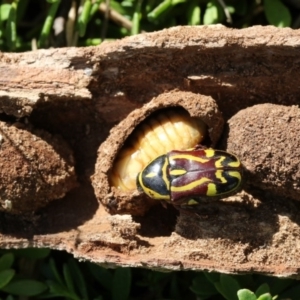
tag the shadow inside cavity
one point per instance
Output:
(78, 206)
(158, 221)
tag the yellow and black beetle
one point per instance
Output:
(189, 176)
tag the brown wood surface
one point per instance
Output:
(81, 93)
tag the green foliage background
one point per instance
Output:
(45, 274)
(31, 24)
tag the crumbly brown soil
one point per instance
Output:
(272, 162)
(82, 93)
(35, 168)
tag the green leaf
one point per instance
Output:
(136, 18)
(228, 287)
(202, 286)
(266, 296)
(47, 26)
(84, 17)
(212, 277)
(194, 13)
(6, 276)
(4, 11)
(32, 253)
(94, 8)
(25, 287)
(11, 27)
(103, 276)
(159, 10)
(121, 9)
(176, 2)
(121, 284)
(245, 294)
(277, 13)
(213, 14)
(55, 272)
(78, 278)
(6, 261)
(22, 9)
(175, 291)
(262, 289)
(56, 289)
(68, 279)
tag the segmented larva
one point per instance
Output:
(162, 132)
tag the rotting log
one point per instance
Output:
(81, 93)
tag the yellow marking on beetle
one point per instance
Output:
(164, 173)
(155, 195)
(219, 175)
(235, 174)
(209, 152)
(150, 192)
(211, 190)
(151, 175)
(178, 172)
(188, 157)
(190, 186)
(235, 164)
(218, 163)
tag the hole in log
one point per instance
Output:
(129, 137)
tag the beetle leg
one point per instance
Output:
(164, 204)
(199, 211)
(200, 147)
(185, 210)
